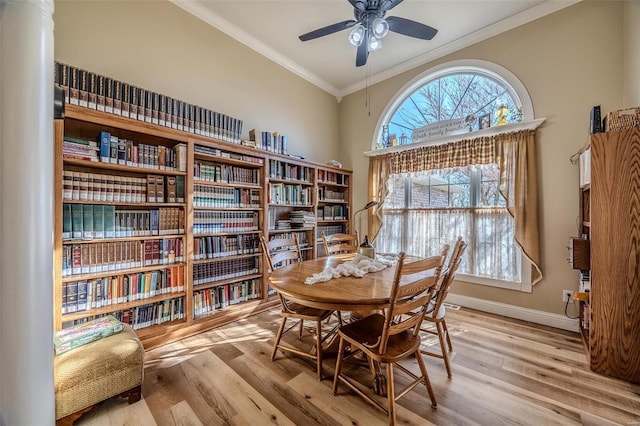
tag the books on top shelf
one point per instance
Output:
(91, 90)
(268, 141)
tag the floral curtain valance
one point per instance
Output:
(514, 152)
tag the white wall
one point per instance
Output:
(631, 72)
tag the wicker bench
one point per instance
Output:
(85, 376)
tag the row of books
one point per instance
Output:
(225, 245)
(332, 177)
(85, 186)
(201, 149)
(338, 212)
(142, 316)
(225, 173)
(79, 259)
(289, 194)
(205, 302)
(125, 152)
(95, 221)
(91, 90)
(215, 222)
(79, 296)
(303, 240)
(224, 197)
(288, 171)
(205, 273)
(325, 194)
(269, 141)
(330, 230)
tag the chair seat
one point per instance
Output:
(366, 332)
(311, 314)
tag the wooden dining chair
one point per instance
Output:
(392, 337)
(279, 252)
(436, 310)
(340, 243)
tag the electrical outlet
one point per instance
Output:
(567, 295)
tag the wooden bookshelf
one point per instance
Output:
(610, 222)
(333, 209)
(235, 186)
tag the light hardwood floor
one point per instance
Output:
(504, 372)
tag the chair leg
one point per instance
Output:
(319, 348)
(301, 327)
(445, 353)
(391, 395)
(446, 333)
(426, 380)
(278, 337)
(336, 374)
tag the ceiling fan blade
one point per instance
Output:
(410, 28)
(360, 5)
(329, 29)
(389, 4)
(362, 54)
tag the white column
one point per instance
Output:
(26, 212)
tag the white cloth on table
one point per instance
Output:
(358, 267)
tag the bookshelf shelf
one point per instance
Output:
(116, 272)
(120, 167)
(230, 171)
(291, 181)
(121, 306)
(219, 283)
(225, 184)
(108, 240)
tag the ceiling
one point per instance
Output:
(272, 27)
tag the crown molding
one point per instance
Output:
(526, 16)
(216, 21)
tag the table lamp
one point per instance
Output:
(365, 249)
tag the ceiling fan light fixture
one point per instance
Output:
(374, 43)
(356, 36)
(380, 27)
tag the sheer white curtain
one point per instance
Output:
(488, 231)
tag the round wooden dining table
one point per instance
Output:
(371, 292)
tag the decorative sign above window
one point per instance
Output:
(439, 129)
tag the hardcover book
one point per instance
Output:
(81, 334)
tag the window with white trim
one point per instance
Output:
(425, 210)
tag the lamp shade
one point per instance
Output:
(374, 43)
(379, 28)
(356, 36)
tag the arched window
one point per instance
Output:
(456, 90)
(425, 209)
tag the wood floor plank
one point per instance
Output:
(244, 400)
(505, 371)
(179, 414)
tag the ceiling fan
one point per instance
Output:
(370, 26)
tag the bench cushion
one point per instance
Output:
(97, 371)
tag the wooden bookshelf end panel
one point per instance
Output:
(615, 254)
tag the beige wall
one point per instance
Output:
(631, 73)
(567, 68)
(158, 46)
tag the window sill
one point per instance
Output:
(491, 131)
(524, 286)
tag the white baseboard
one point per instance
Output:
(512, 311)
